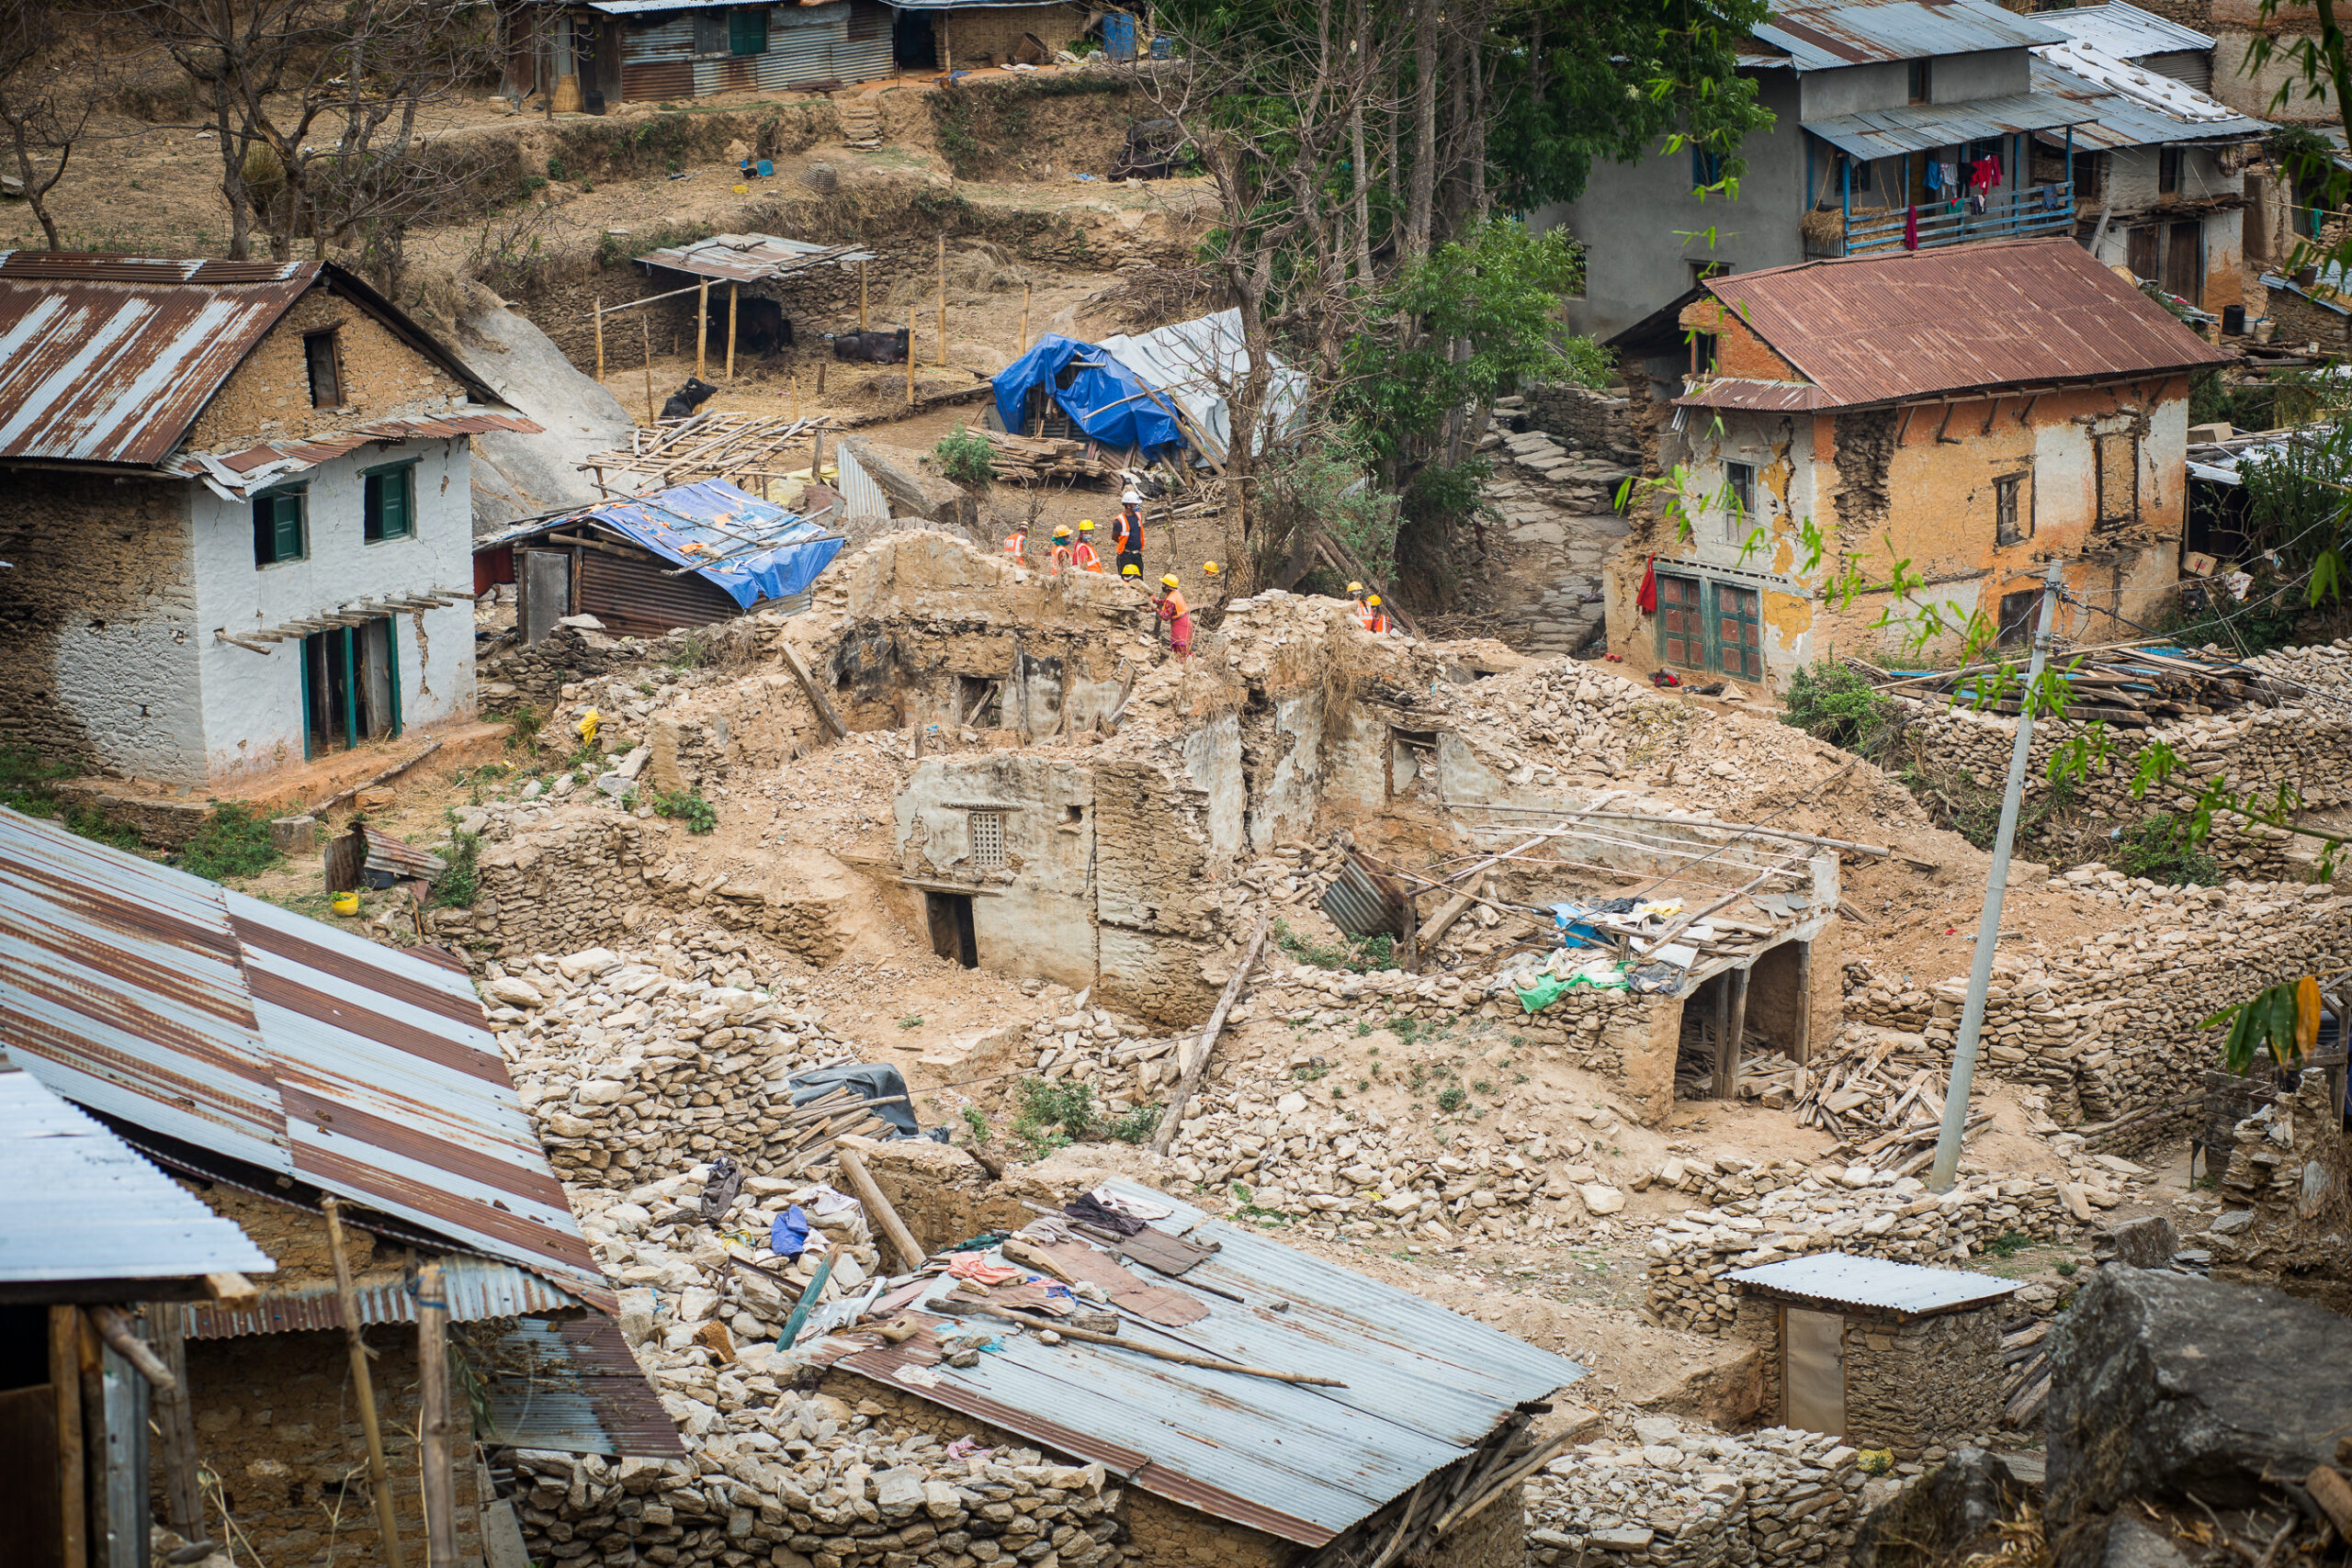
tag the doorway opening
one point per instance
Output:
(950, 915)
(351, 686)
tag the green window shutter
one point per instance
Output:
(388, 504)
(396, 504)
(747, 31)
(288, 527)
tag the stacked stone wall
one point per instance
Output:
(1935, 1382)
(1770, 1499)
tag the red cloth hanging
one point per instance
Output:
(1646, 599)
(1911, 230)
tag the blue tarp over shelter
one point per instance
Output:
(1103, 396)
(758, 549)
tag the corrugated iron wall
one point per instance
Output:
(846, 42)
(862, 499)
(637, 598)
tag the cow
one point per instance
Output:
(872, 348)
(682, 402)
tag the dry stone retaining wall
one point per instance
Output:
(1770, 1499)
(1911, 1386)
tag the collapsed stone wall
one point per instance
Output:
(2290, 1183)
(2110, 1028)
(1864, 1212)
(2304, 750)
(1774, 1498)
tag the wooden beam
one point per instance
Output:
(702, 326)
(1735, 1016)
(73, 1478)
(733, 289)
(877, 1208)
(1442, 921)
(1197, 1067)
(115, 1327)
(387, 1528)
(438, 1478)
(809, 689)
(176, 1428)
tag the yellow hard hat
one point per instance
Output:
(1132, 570)
(1060, 532)
(1082, 527)
(1371, 599)
(1169, 580)
(1211, 568)
(1355, 587)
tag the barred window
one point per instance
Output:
(988, 839)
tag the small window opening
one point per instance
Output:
(1703, 353)
(1073, 813)
(1739, 500)
(1923, 83)
(1706, 167)
(988, 839)
(2013, 521)
(326, 382)
(1703, 270)
(2017, 613)
(278, 533)
(2168, 171)
(1412, 762)
(388, 503)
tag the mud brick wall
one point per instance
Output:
(1152, 855)
(1935, 1382)
(97, 633)
(996, 32)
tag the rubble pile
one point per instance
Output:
(2288, 1188)
(2110, 1029)
(1862, 1212)
(640, 1061)
(1772, 1499)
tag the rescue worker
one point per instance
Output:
(1016, 544)
(1085, 554)
(1210, 569)
(1172, 609)
(1375, 619)
(1355, 600)
(1057, 558)
(1127, 532)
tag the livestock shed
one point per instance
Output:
(609, 51)
(1313, 1415)
(1882, 1354)
(688, 556)
(753, 284)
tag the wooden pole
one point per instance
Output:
(733, 289)
(796, 394)
(946, 50)
(816, 455)
(600, 340)
(702, 325)
(387, 1528)
(175, 1422)
(1727, 1064)
(861, 295)
(433, 1390)
(1197, 1069)
(65, 1389)
(942, 291)
(820, 380)
(646, 333)
(877, 1207)
(1024, 318)
(815, 694)
(100, 1526)
(911, 346)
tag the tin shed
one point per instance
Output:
(1884, 1355)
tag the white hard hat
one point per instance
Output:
(1134, 495)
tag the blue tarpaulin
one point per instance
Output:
(758, 549)
(1103, 396)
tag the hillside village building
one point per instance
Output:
(238, 515)
(1971, 413)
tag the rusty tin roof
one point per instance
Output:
(202, 1015)
(108, 359)
(1425, 1386)
(477, 1288)
(1905, 324)
(234, 476)
(1861, 32)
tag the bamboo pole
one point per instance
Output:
(911, 346)
(702, 326)
(820, 380)
(175, 1423)
(646, 333)
(66, 1388)
(1197, 1066)
(387, 1528)
(733, 289)
(816, 455)
(861, 295)
(600, 340)
(432, 1388)
(943, 293)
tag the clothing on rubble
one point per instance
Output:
(1134, 1207)
(788, 1236)
(1087, 1211)
(974, 1267)
(719, 1188)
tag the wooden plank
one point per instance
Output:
(65, 1386)
(809, 688)
(176, 1429)
(437, 1428)
(1195, 1069)
(877, 1208)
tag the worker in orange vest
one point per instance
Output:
(1016, 544)
(1375, 619)
(1057, 558)
(1177, 613)
(1127, 532)
(1085, 554)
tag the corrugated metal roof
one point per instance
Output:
(234, 476)
(1902, 324)
(749, 548)
(1919, 128)
(107, 359)
(1826, 37)
(232, 1024)
(2121, 120)
(2123, 30)
(575, 1387)
(752, 258)
(76, 1202)
(1762, 397)
(1837, 1278)
(1425, 1386)
(478, 1289)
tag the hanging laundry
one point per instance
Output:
(1977, 201)
(1645, 597)
(1950, 178)
(1911, 230)
(1935, 176)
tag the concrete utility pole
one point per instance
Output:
(1946, 1170)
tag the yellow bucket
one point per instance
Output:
(346, 903)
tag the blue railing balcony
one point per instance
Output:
(2042, 210)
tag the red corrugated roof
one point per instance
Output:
(276, 460)
(1884, 328)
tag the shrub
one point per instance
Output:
(2158, 849)
(1364, 955)
(966, 456)
(1832, 703)
(456, 888)
(234, 841)
(688, 807)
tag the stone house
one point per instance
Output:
(1971, 413)
(238, 515)
(1874, 101)
(2160, 181)
(1883, 1355)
